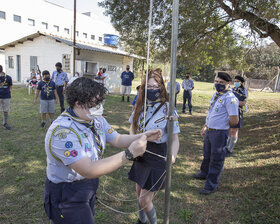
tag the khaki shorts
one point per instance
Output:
(5, 105)
(126, 90)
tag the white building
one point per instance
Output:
(36, 32)
(45, 50)
(19, 18)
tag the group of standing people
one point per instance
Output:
(76, 140)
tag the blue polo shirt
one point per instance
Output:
(220, 109)
(127, 78)
(5, 83)
(47, 90)
(59, 78)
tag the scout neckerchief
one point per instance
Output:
(141, 120)
(70, 113)
(218, 94)
(48, 91)
(4, 82)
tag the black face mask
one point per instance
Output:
(187, 77)
(47, 78)
(58, 69)
(127, 69)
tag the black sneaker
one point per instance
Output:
(206, 192)
(139, 222)
(8, 127)
(122, 98)
(199, 176)
(43, 124)
(183, 112)
(229, 154)
(190, 113)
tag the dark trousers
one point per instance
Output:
(187, 95)
(71, 203)
(213, 157)
(59, 90)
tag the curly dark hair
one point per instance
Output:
(86, 92)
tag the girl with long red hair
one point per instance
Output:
(149, 170)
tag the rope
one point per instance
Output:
(117, 199)
(128, 213)
(148, 57)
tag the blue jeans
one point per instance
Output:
(187, 95)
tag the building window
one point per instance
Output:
(85, 35)
(66, 30)
(17, 18)
(77, 33)
(2, 15)
(11, 61)
(31, 22)
(66, 62)
(33, 63)
(93, 37)
(56, 28)
(45, 25)
(100, 39)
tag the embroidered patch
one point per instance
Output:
(110, 131)
(62, 133)
(159, 120)
(97, 125)
(68, 145)
(217, 109)
(100, 132)
(220, 101)
(67, 153)
(87, 147)
(84, 135)
(74, 153)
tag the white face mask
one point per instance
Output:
(95, 112)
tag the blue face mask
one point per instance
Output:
(153, 94)
(237, 84)
(219, 87)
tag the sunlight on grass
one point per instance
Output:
(249, 188)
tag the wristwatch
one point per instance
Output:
(128, 155)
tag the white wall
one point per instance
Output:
(2, 60)
(42, 11)
(47, 50)
(113, 80)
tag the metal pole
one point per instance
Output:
(174, 41)
(148, 57)
(74, 39)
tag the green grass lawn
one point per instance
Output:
(249, 191)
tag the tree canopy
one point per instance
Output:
(207, 28)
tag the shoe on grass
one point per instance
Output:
(206, 192)
(43, 124)
(8, 127)
(199, 176)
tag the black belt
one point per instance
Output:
(60, 86)
(212, 129)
